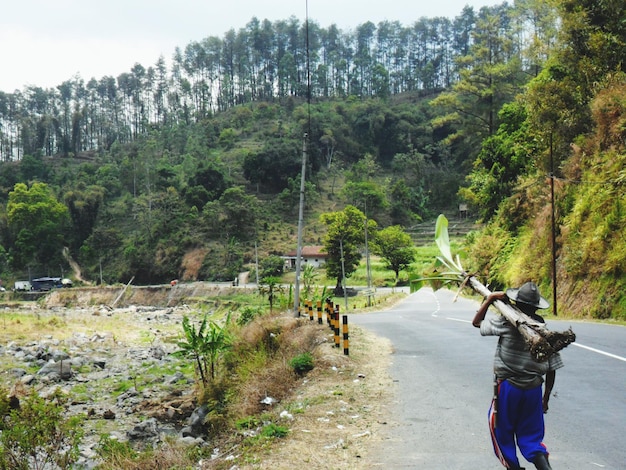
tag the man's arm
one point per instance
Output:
(482, 311)
(550, 378)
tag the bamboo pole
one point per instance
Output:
(122, 292)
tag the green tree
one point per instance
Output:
(369, 196)
(271, 288)
(272, 166)
(38, 222)
(592, 48)
(216, 342)
(207, 184)
(310, 276)
(503, 158)
(84, 205)
(239, 213)
(395, 247)
(490, 75)
(273, 265)
(343, 241)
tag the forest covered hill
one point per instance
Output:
(190, 173)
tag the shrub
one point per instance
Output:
(249, 422)
(248, 313)
(37, 436)
(112, 450)
(274, 430)
(302, 363)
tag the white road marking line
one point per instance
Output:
(458, 319)
(614, 356)
(589, 348)
(435, 313)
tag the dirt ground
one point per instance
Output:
(339, 417)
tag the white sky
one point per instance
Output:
(45, 42)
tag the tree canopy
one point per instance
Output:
(344, 238)
(37, 222)
(395, 247)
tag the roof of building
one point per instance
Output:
(314, 251)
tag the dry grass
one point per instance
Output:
(336, 413)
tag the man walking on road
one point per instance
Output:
(516, 413)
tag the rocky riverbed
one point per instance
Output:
(115, 364)
(113, 358)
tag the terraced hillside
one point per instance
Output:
(424, 233)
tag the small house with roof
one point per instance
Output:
(311, 255)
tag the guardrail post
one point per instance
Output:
(329, 309)
(336, 325)
(319, 312)
(346, 342)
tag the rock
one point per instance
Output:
(17, 372)
(55, 371)
(145, 430)
(27, 379)
(59, 355)
(157, 352)
(268, 401)
(196, 426)
(174, 378)
(192, 441)
(102, 361)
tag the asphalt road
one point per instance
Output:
(442, 369)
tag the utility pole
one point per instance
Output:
(296, 297)
(343, 275)
(367, 268)
(256, 262)
(554, 309)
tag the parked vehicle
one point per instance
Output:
(22, 286)
(43, 284)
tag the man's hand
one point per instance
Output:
(550, 379)
(497, 296)
(482, 311)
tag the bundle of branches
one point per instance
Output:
(542, 342)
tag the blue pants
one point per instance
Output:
(518, 421)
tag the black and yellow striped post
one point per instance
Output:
(310, 307)
(329, 309)
(336, 326)
(319, 312)
(346, 341)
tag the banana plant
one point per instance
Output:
(204, 345)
